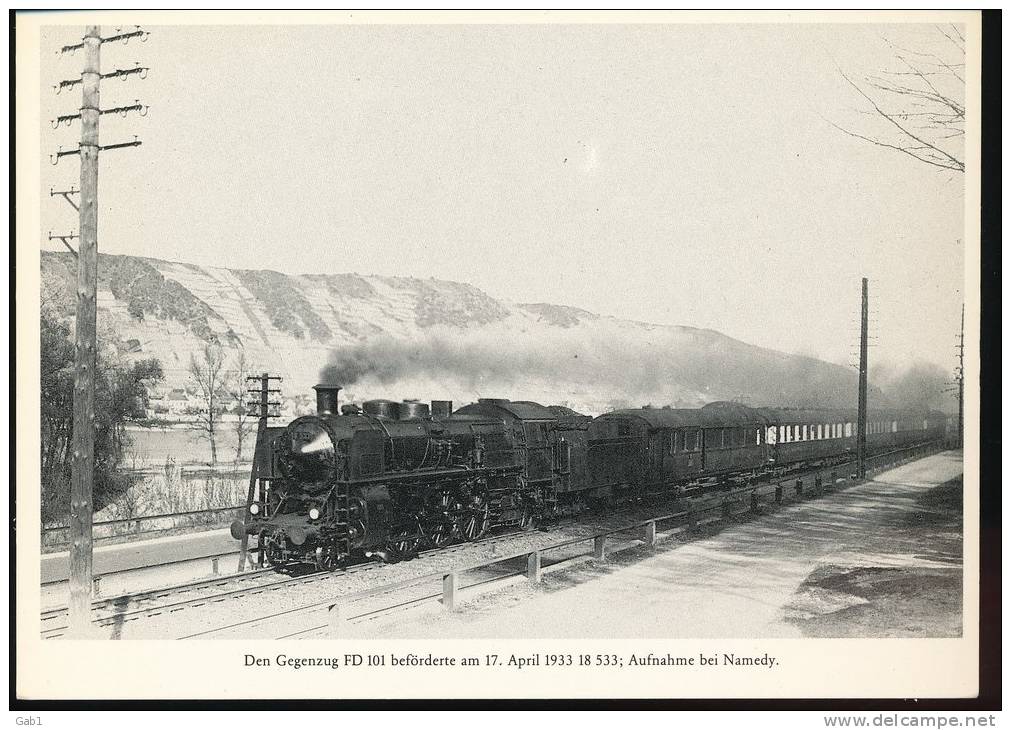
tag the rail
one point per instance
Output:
(338, 609)
(126, 526)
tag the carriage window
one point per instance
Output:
(895, 426)
(770, 435)
(691, 440)
(782, 433)
(758, 437)
(821, 433)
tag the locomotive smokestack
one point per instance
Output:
(326, 398)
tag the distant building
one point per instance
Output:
(178, 401)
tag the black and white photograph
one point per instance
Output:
(583, 355)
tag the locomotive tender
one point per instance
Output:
(389, 478)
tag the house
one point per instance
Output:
(178, 401)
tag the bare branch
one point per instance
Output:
(960, 43)
(934, 155)
(930, 160)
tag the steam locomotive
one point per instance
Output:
(387, 479)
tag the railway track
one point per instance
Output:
(710, 509)
(194, 594)
(172, 599)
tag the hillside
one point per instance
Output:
(401, 337)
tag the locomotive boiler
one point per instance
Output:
(387, 478)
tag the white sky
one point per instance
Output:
(679, 174)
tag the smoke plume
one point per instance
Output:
(604, 364)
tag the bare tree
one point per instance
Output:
(918, 105)
(244, 423)
(208, 375)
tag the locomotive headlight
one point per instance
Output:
(254, 509)
(313, 514)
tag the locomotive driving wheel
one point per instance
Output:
(440, 525)
(476, 518)
(405, 542)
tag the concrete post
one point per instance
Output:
(449, 591)
(534, 567)
(214, 566)
(598, 548)
(649, 534)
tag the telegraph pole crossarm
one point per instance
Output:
(55, 159)
(65, 239)
(122, 110)
(66, 196)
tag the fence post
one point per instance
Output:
(649, 536)
(779, 494)
(449, 591)
(96, 586)
(798, 486)
(335, 621)
(534, 567)
(725, 509)
(598, 547)
(691, 517)
(817, 483)
(214, 566)
(834, 475)
(754, 501)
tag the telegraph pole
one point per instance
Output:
(82, 459)
(82, 465)
(862, 396)
(262, 409)
(961, 380)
